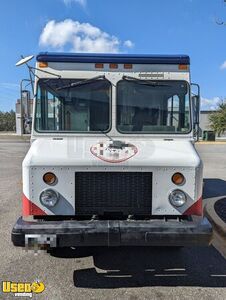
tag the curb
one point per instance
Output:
(219, 227)
(213, 217)
(211, 143)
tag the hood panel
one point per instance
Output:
(79, 152)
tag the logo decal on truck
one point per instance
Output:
(114, 151)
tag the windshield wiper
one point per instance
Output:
(107, 135)
(81, 82)
(115, 144)
(144, 81)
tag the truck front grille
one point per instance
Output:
(113, 192)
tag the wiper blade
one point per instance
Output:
(81, 82)
(144, 81)
(115, 144)
(107, 135)
(54, 90)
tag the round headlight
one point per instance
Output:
(178, 179)
(49, 198)
(177, 198)
(49, 178)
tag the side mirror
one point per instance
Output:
(196, 110)
(196, 104)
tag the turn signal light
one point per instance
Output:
(178, 179)
(49, 178)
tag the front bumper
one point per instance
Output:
(112, 233)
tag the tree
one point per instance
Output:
(7, 121)
(218, 119)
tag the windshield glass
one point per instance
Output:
(153, 106)
(81, 108)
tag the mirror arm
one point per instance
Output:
(50, 73)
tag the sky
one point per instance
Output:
(127, 26)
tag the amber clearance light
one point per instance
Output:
(183, 67)
(178, 179)
(43, 64)
(49, 178)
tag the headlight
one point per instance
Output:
(177, 198)
(49, 198)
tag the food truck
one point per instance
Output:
(112, 160)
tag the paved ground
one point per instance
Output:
(143, 273)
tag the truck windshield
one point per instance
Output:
(81, 108)
(153, 106)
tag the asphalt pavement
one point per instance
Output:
(114, 273)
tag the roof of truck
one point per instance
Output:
(112, 58)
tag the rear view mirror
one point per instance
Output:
(196, 110)
(195, 101)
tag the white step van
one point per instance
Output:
(112, 160)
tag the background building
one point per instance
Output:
(204, 124)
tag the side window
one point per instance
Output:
(178, 113)
(173, 111)
(38, 109)
(52, 111)
(49, 104)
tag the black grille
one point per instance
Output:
(116, 192)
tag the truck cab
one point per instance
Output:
(112, 160)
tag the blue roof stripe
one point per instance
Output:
(113, 58)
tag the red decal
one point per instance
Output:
(195, 209)
(30, 208)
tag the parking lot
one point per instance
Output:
(115, 273)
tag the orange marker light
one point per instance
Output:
(49, 178)
(178, 179)
(183, 67)
(43, 64)
(99, 66)
(113, 66)
(128, 66)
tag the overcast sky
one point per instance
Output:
(129, 26)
